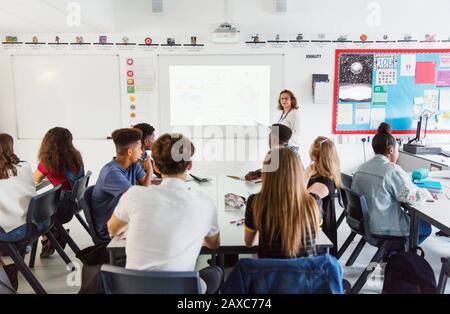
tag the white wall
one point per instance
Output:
(199, 17)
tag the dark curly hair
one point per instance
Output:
(125, 138)
(57, 152)
(172, 152)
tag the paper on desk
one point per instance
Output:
(444, 174)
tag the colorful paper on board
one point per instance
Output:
(426, 73)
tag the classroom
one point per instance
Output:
(224, 147)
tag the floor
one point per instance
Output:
(56, 278)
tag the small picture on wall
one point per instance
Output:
(355, 77)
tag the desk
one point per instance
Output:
(436, 213)
(410, 162)
(42, 184)
(231, 236)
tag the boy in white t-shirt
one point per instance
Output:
(168, 223)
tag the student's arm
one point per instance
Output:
(319, 189)
(404, 190)
(38, 176)
(212, 242)
(249, 225)
(146, 179)
(115, 225)
(120, 217)
(212, 239)
(249, 237)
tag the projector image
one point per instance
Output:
(225, 34)
(421, 149)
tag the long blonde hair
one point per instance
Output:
(327, 164)
(288, 209)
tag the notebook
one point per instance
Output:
(429, 185)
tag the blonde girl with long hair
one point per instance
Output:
(284, 216)
(325, 173)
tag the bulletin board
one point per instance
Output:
(391, 85)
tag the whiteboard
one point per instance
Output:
(195, 91)
(78, 92)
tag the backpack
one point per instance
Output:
(409, 273)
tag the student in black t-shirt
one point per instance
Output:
(283, 215)
(325, 172)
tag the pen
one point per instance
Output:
(234, 177)
(237, 221)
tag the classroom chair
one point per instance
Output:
(77, 192)
(357, 216)
(118, 280)
(445, 273)
(78, 188)
(39, 222)
(85, 201)
(304, 275)
(346, 180)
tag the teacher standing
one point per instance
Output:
(287, 103)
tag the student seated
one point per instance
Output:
(169, 223)
(279, 137)
(16, 190)
(385, 185)
(148, 138)
(117, 176)
(59, 160)
(325, 171)
(285, 216)
(61, 163)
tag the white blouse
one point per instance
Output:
(292, 120)
(15, 195)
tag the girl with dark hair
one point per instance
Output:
(59, 160)
(385, 185)
(61, 163)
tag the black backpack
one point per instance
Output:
(409, 273)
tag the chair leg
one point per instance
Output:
(82, 222)
(59, 249)
(26, 272)
(67, 238)
(340, 219)
(346, 244)
(33, 254)
(369, 269)
(445, 272)
(356, 252)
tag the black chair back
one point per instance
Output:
(346, 180)
(357, 214)
(79, 187)
(43, 206)
(118, 280)
(85, 202)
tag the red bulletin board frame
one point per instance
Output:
(336, 78)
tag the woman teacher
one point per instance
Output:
(287, 103)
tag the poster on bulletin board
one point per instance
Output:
(392, 85)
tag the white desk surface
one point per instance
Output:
(441, 159)
(438, 210)
(230, 234)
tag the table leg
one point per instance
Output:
(112, 257)
(414, 230)
(222, 261)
